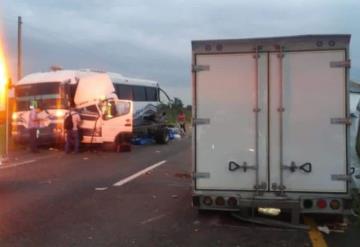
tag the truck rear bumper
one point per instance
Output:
(314, 203)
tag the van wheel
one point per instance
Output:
(162, 136)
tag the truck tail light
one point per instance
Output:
(308, 203)
(232, 202)
(220, 201)
(321, 203)
(207, 200)
(334, 204)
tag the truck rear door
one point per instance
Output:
(229, 141)
(311, 133)
(271, 121)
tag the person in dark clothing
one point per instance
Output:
(72, 131)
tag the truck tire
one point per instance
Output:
(121, 145)
(162, 136)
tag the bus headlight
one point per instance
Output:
(14, 116)
(59, 113)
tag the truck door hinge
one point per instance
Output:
(201, 175)
(200, 121)
(261, 186)
(198, 68)
(346, 121)
(340, 177)
(340, 64)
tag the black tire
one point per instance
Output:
(121, 145)
(162, 136)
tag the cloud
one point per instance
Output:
(151, 39)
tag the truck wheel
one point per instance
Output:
(162, 136)
(121, 145)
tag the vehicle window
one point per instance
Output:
(89, 110)
(139, 93)
(152, 94)
(111, 109)
(37, 89)
(124, 92)
(43, 102)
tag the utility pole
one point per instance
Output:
(19, 47)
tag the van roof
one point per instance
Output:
(120, 79)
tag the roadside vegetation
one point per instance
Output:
(172, 110)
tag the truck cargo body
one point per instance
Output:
(271, 123)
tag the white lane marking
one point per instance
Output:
(17, 164)
(25, 162)
(138, 174)
(153, 219)
(101, 188)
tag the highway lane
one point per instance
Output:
(71, 200)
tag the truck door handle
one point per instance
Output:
(307, 167)
(233, 166)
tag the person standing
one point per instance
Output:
(71, 125)
(34, 124)
(181, 118)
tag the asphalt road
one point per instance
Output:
(53, 199)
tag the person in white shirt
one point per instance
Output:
(34, 124)
(72, 132)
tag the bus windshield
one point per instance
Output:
(47, 96)
(37, 89)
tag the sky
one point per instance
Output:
(152, 39)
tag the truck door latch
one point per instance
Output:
(306, 167)
(233, 166)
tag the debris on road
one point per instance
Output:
(196, 222)
(153, 219)
(85, 158)
(174, 196)
(101, 188)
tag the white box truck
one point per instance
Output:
(271, 124)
